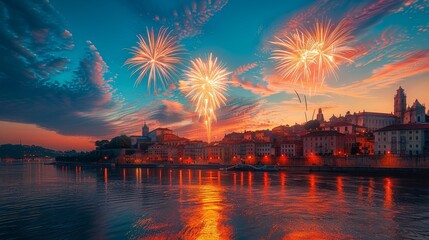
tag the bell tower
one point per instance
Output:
(320, 117)
(145, 130)
(400, 104)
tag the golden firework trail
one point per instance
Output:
(205, 86)
(157, 54)
(311, 55)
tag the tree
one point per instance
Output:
(101, 144)
(312, 125)
(122, 141)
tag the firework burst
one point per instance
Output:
(311, 55)
(206, 87)
(158, 54)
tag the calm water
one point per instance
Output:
(47, 202)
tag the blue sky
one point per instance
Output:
(63, 63)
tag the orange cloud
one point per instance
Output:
(31, 134)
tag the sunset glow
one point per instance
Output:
(73, 76)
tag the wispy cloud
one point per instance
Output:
(33, 43)
(185, 19)
(369, 13)
(415, 63)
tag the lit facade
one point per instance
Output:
(291, 149)
(323, 143)
(403, 139)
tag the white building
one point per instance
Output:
(403, 139)
(343, 127)
(373, 121)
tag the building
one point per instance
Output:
(373, 120)
(248, 135)
(215, 153)
(137, 140)
(400, 103)
(343, 127)
(263, 135)
(264, 149)
(291, 149)
(157, 135)
(323, 143)
(414, 114)
(403, 139)
(244, 151)
(159, 152)
(233, 137)
(194, 152)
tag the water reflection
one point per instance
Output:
(340, 187)
(388, 193)
(208, 204)
(207, 218)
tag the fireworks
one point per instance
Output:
(205, 87)
(311, 55)
(157, 55)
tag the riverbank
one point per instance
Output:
(357, 170)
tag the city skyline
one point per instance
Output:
(70, 86)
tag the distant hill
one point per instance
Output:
(26, 151)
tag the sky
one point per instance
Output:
(64, 83)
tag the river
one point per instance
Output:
(48, 202)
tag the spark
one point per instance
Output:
(206, 87)
(309, 56)
(157, 54)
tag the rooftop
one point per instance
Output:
(409, 126)
(323, 133)
(376, 114)
(339, 124)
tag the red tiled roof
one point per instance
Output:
(409, 126)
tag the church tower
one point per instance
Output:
(400, 104)
(145, 130)
(320, 117)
